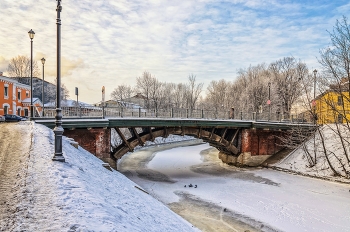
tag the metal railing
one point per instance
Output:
(115, 112)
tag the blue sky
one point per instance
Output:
(111, 42)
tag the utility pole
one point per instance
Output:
(314, 101)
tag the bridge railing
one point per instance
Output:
(115, 112)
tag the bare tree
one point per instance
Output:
(20, 67)
(194, 91)
(287, 74)
(144, 86)
(157, 94)
(168, 92)
(121, 92)
(335, 61)
(249, 92)
(217, 94)
(180, 95)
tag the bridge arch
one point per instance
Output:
(226, 140)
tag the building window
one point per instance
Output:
(19, 111)
(19, 95)
(6, 109)
(340, 100)
(6, 91)
(340, 118)
(26, 112)
(27, 94)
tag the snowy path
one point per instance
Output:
(38, 194)
(13, 169)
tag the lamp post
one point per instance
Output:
(31, 34)
(103, 102)
(42, 94)
(269, 101)
(58, 130)
(314, 101)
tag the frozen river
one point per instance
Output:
(226, 198)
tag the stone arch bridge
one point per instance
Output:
(239, 142)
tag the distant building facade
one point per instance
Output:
(138, 99)
(332, 107)
(15, 97)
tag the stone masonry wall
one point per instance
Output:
(96, 140)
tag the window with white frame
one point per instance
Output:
(27, 93)
(19, 95)
(6, 91)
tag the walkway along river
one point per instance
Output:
(194, 183)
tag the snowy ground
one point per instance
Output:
(300, 162)
(80, 194)
(232, 198)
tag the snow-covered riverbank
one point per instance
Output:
(78, 195)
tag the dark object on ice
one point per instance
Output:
(195, 186)
(185, 186)
(190, 185)
(225, 209)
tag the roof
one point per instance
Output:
(14, 81)
(69, 103)
(35, 101)
(27, 100)
(326, 92)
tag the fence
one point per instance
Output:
(115, 112)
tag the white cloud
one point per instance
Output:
(109, 42)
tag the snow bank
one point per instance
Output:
(311, 158)
(82, 195)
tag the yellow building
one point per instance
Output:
(332, 107)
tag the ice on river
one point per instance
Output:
(278, 200)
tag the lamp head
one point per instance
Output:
(31, 34)
(43, 60)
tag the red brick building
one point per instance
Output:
(15, 98)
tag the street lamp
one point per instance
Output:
(269, 101)
(42, 94)
(58, 130)
(31, 34)
(314, 101)
(103, 102)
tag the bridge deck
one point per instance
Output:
(164, 122)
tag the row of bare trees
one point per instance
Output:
(284, 79)
(161, 95)
(282, 82)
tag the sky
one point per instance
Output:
(110, 43)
